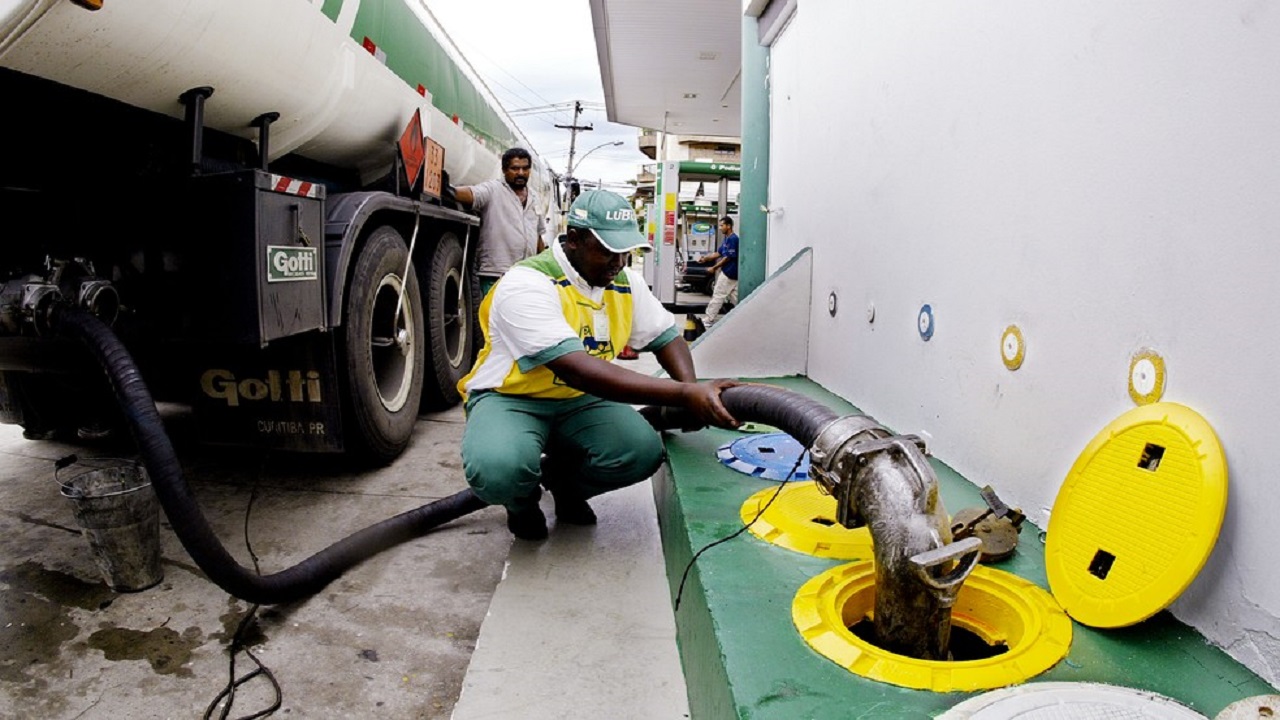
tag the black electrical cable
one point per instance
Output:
(801, 417)
(237, 645)
(229, 692)
(727, 538)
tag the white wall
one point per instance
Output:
(779, 311)
(1104, 174)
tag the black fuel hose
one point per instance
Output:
(189, 523)
(799, 416)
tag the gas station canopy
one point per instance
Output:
(671, 65)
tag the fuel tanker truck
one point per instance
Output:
(254, 197)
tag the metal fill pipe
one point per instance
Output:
(880, 480)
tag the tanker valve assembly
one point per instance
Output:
(27, 302)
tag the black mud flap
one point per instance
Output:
(282, 397)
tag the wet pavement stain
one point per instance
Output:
(35, 617)
(165, 650)
(252, 634)
(32, 633)
(34, 578)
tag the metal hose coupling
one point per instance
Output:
(834, 458)
(884, 481)
(29, 302)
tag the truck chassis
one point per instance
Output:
(291, 306)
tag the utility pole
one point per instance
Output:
(573, 138)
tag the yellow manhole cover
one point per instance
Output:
(1000, 608)
(1137, 516)
(803, 519)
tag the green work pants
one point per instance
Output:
(592, 446)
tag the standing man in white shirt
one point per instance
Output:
(511, 227)
(545, 383)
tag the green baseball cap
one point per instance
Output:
(610, 218)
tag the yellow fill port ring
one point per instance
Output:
(998, 607)
(803, 519)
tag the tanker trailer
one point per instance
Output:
(233, 187)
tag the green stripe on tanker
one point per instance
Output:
(416, 57)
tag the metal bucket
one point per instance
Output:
(117, 510)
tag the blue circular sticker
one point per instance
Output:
(924, 322)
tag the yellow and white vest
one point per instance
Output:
(603, 327)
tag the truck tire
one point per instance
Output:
(383, 354)
(450, 322)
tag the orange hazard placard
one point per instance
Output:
(433, 179)
(412, 151)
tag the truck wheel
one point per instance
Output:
(451, 303)
(383, 352)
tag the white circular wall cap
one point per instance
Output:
(1147, 373)
(1144, 376)
(1010, 346)
(1013, 348)
(1070, 701)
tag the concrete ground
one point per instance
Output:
(579, 626)
(391, 638)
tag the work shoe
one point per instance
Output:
(573, 510)
(528, 524)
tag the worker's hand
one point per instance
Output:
(703, 400)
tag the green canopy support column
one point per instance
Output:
(753, 194)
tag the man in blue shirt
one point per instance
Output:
(726, 262)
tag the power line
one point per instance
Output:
(555, 107)
(498, 66)
(463, 59)
(519, 97)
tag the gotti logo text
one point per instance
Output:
(288, 386)
(287, 263)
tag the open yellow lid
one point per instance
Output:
(801, 517)
(1137, 517)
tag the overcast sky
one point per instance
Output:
(533, 53)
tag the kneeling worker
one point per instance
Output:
(545, 384)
